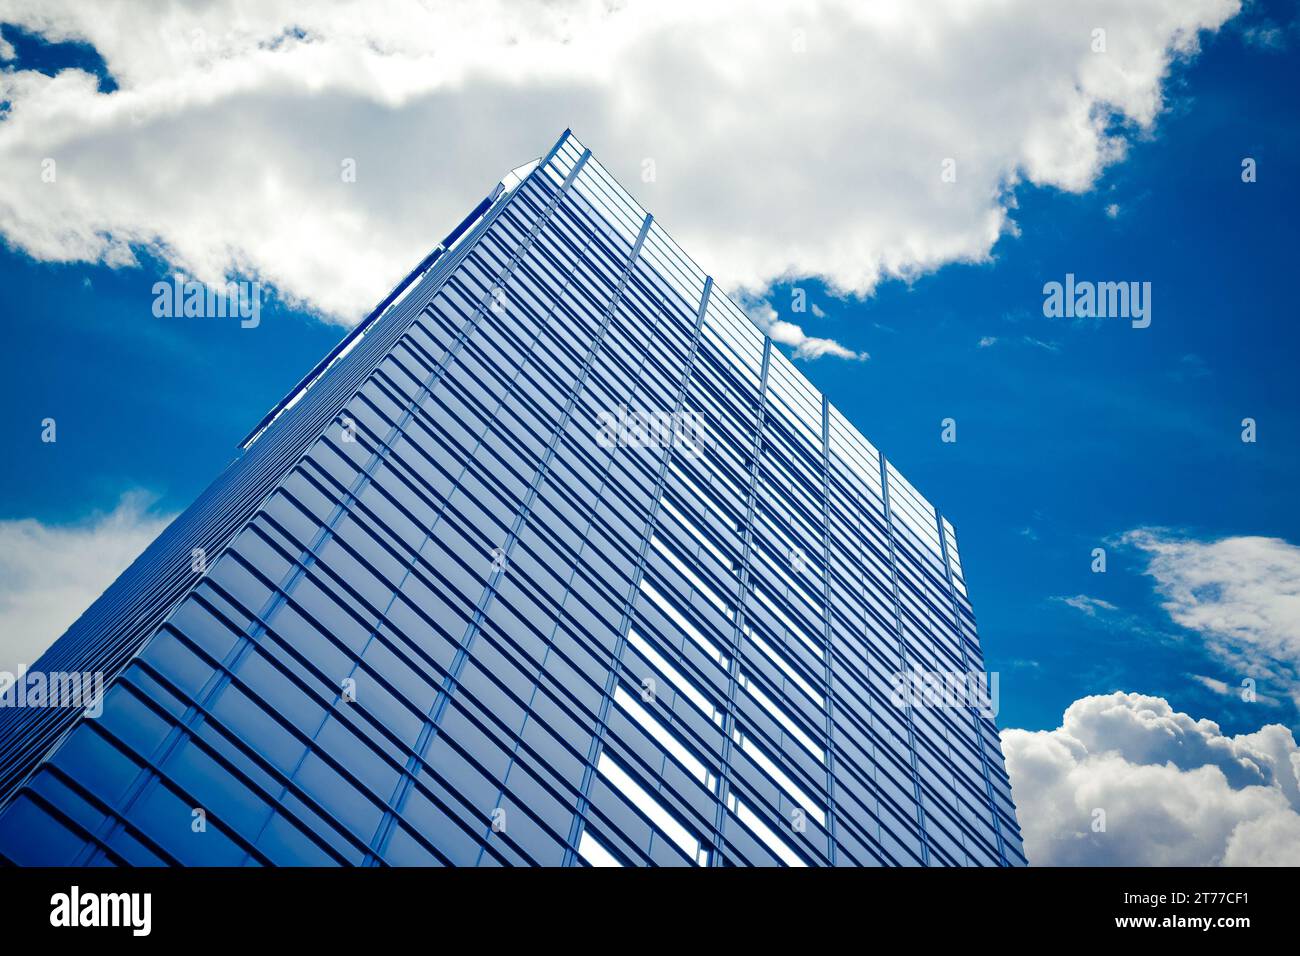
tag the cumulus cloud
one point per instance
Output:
(787, 139)
(1174, 791)
(50, 574)
(1240, 594)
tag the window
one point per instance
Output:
(664, 738)
(594, 852)
(676, 617)
(764, 833)
(680, 683)
(780, 716)
(786, 669)
(647, 804)
(768, 765)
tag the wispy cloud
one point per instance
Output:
(1223, 689)
(1241, 595)
(805, 346)
(1265, 35)
(1190, 367)
(1212, 684)
(1088, 605)
(1039, 343)
(988, 341)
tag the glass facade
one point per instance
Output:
(556, 560)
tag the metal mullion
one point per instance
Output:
(902, 662)
(638, 571)
(733, 665)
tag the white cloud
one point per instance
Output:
(989, 340)
(50, 574)
(1112, 211)
(1236, 691)
(1175, 791)
(805, 346)
(1240, 594)
(1088, 605)
(789, 139)
(1266, 36)
(809, 346)
(1213, 684)
(1039, 343)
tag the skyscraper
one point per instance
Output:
(555, 560)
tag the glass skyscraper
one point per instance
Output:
(555, 560)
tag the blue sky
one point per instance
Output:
(1070, 433)
(1111, 428)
